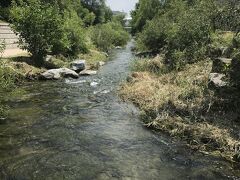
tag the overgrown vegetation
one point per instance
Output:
(175, 89)
(109, 35)
(66, 28)
(7, 81)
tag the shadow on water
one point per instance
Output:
(80, 129)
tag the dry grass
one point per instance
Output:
(179, 103)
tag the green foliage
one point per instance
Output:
(98, 7)
(119, 18)
(181, 30)
(39, 26)
(73, 40)
(145, 10)
(8, 79)
(108, 35)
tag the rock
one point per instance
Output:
(221, 65)
(87, 73)
(78, 65)
(48, 58)
(100, 63)
(55, 74)
(106, 54)
(118, 47)
(215, 80)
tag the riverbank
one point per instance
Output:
(71, 129)
(181, 104)
(24, 67)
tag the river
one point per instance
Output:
(80, 129)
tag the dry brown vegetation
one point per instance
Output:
(181, 104)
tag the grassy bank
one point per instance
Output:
(181, 104)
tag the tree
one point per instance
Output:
(145, 10)
(38, 25)
(99, 8)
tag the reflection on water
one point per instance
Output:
(80, 129)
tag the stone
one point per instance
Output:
(100, 63)
(87, 73)
(55, 74)
(118, 47)
(220, 65)
(216, 80)
(78, 65)
(48, 58)
(106, 54)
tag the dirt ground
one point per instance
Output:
(14, 53)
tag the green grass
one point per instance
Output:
(93, 57)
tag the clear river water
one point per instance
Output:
(80, 129)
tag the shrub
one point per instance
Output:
(108, 35)
(39, 25)
(182, 31)
(73, 41)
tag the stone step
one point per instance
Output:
(8, 36)
(11, 41)
(11, 46)
(6, 31)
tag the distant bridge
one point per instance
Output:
(127, 21)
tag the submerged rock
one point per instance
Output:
(87, 73)
(78, 65)
(55, 74)
(216, 80)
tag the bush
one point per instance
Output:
(73, 41)
(183, 37)
(108, 35)
(39, 26)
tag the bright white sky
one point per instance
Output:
(122, 5)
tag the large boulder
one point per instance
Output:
(55, 74)
(78, 65)
(216, 80)
(221, 65)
